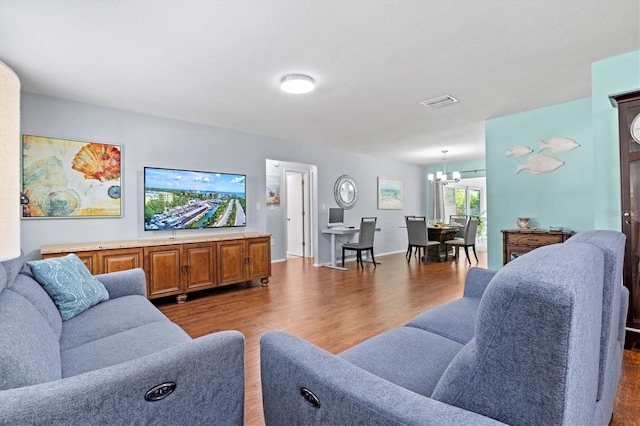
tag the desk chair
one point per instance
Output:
(365, 241)
(469, 240)
(460, 220)
(417, 234)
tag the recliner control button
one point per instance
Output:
(310, 397)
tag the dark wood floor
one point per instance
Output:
(336, 310)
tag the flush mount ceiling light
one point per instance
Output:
(440, 101)
(297, 83)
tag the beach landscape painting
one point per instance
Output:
(389, 194)
(273, 189)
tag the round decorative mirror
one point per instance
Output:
(345, 192)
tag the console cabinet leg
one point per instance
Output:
(181, 298)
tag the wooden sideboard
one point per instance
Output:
(175, 267)
(517, 242)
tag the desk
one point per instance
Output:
(338, 231)
(440, 234)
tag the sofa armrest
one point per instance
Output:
(622, 321)
(477, 281)
(347, 394)
(124, 283)
(209, 377)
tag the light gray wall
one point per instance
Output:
(154, 141)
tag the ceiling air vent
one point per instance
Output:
(440, 101)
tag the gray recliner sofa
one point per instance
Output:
(538, 342)
(114, 364)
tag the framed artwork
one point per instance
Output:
(70, 179)
(273, 189)
(389, 194)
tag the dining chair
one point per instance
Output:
(418, 237)
(461, 219)
(365, 241)
(409, 248)
(469, 240)
(408, 245)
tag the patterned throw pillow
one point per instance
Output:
(69, 283)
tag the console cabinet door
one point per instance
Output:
(259, 254)
(164, 272)
(231, 262)
(200, 266)
(89, 258)
(119, 260)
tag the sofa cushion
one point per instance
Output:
(409, 357)
(69, 283)
(107, 318)
(455, 320)
(29, 348)
(122, 347)
(30, 289)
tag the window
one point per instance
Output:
(467, 201)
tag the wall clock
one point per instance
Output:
(635, 128)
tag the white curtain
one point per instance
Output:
(436, 212)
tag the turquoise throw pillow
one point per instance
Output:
(69, 283)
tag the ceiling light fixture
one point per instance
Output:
(297, 84)
(442, 176)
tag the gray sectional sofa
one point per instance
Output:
(538, 342)
(114, 364)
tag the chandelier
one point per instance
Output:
(442, 176)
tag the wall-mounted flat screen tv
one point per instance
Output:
(189, 199)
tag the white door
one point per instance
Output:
(295, 214)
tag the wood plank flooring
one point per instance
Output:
(338, 309)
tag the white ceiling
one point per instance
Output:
(220, 63)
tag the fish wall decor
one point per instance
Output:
(537, 164)
(558, 145)
(519, 151)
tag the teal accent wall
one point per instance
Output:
(584, 193)
(563, 197)
(612, 76)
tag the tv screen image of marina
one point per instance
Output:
(185, 199)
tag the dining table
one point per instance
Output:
(440, 234)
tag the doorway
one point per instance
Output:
(297, 227)
(296, 187)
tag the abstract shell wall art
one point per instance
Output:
(70, 179)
